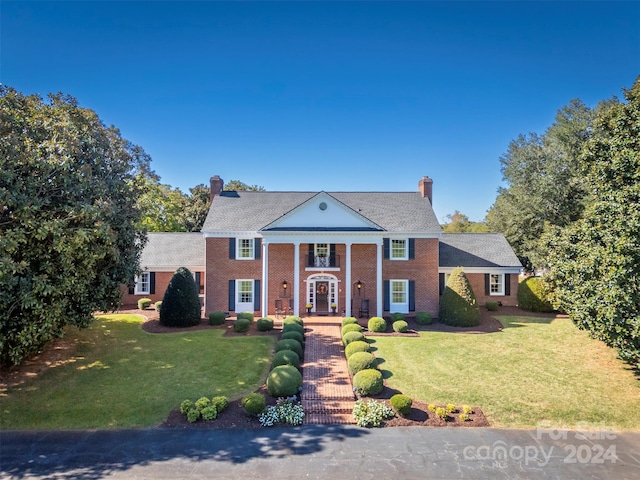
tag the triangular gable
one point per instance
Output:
(322, 212)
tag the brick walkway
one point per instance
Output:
(327, 393)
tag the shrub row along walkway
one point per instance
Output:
(327, 392)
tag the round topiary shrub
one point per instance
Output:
(295, 335)
(241, 325)
(284, 381)
(293, 319)
(423, 318)
(245, 315)
(285, 357)
(293, 327)
(220, 403)
(397, 316)
(458, 304)
(349, 337)
(254, 403)
(264, 324)
(217, 318)
(368, 382)
(377, 324)
(401, 403)
(351, 327)
(533, 295)
(492, 306)
(157, 305)
(357, 346)
(181, 304)
(144, 303)
(400, 326)
(361, 361)
(349, 321)
(289, 344)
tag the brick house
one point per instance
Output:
(268, 251)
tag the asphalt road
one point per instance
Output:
(321, 452)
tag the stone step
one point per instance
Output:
(338, 406)
(329, 419)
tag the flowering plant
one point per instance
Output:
(309, 305)
(333, 305)
(286, 410)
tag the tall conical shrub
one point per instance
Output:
(458, 305)
(181, 304)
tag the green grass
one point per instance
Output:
(120, 376)
(536, 369)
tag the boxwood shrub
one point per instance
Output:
(220, 402)
(458, 304)
(357, 346)
(351, 327)
(284, 381)
(285, 357)
(533, 295)
(492, 306)
(293, 319)
(245, 315)
(254, 404)
(397, 316)
(144, 303)
(368, 382)
(423, 318)
(264, 324)
(241, 325)
(157, 305)
(400, 326)
(361, 361)
(349, 321)
(289, 327)
(377, 324)
(401, 403)
(349, 337)
(295, 335)
(289, 344)
(217, 318)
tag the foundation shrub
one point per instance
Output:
(350, 337)
(293, 319)
(245, 315)
(423, 318)
(289, 344)
(492, 306)
(349, 321)
(351, 327)
(294, 335)
(144, 303)
(401, 403)
(400, 326)
(285, 357)
(396, 316)
(217, 318)
(241, 325)
(293, 327)
(264, 324)
(354, 347)
(377, 324)
(254, 404)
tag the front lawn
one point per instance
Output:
(536, 369)
(120, 376)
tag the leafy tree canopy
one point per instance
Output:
(460, 223)
(68, 236)
(595, 262)
(238, 186)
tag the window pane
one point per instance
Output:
(245, 291)
(496, 284)
(142, 283)
(245, 248)
(398, 249)
(398, 292)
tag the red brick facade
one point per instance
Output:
(162, 280)
(477, 281)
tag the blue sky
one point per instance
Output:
(334, 96)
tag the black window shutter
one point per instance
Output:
(312, 251)
(386, 303)
(412, 295)
(487, 284)
(232, 248)
(133, 286)
(385, 246)
(441, 278)
(197, 274)
(256, 295)
(232, 295)
(332, 250)
(152, 283)
(507, 284)
(412, 248)
(257, 246)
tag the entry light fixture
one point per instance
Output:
(285, 285)
(359, 284)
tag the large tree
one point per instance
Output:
(162, 206)
(595, 262)
(459, 223)
(67, 218)
(544, 185)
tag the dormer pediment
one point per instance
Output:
(322, 212)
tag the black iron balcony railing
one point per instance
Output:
(323, 261)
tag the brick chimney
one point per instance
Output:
(425, 187)
(217, 184)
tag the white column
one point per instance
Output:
(347, 297)
(296, 278)
(380, 286)
(265, 278)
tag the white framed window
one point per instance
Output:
(245, 249)
(399, 296)
(398, 249)
(143, 284)
(496, 284)
(244, 291)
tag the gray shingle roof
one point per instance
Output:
(476, 250)
(251, 211)
(178, 249)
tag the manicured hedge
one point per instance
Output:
(357, 346)
(377, 324)
(284, 381)
(368, 382)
